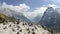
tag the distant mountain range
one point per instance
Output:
(19, 15)
(11, 13)
(51, 18)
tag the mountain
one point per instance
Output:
(37, 18)
(22, 17)
(11, 13)
(51, 18)
(5, 11)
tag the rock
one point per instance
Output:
(5, 27)
(13, 30)
(32, 29)
(26, 28)
(33, 32)
(17, 32)
(20, 30)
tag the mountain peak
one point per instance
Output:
(51, 18)
(50, 8)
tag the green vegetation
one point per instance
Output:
(4, 18)
(11, 19)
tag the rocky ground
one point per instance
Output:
(21, 28)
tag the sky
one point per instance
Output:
(30, 8)
(32, 3)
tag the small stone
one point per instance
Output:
(35, 27)
(28, 29)
(32, 29)
(17, 32)
(28, 32)
(23, 24)
(13, 30)
(18, 21)
(20, 30)
(5, 27)
(9, 25)
(33, 32)
(18, 26)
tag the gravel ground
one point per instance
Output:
(21, 28)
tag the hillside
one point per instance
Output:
(22, 28)
(4, 18)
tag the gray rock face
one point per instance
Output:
(51, 19)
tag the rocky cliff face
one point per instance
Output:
(51, 18)
(22, 28)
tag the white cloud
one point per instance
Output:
(53, 5)
(21, 8)
(34, 13)
(40, 10)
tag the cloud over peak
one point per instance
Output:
(20, 8)
(39, 11)
(34, 13)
